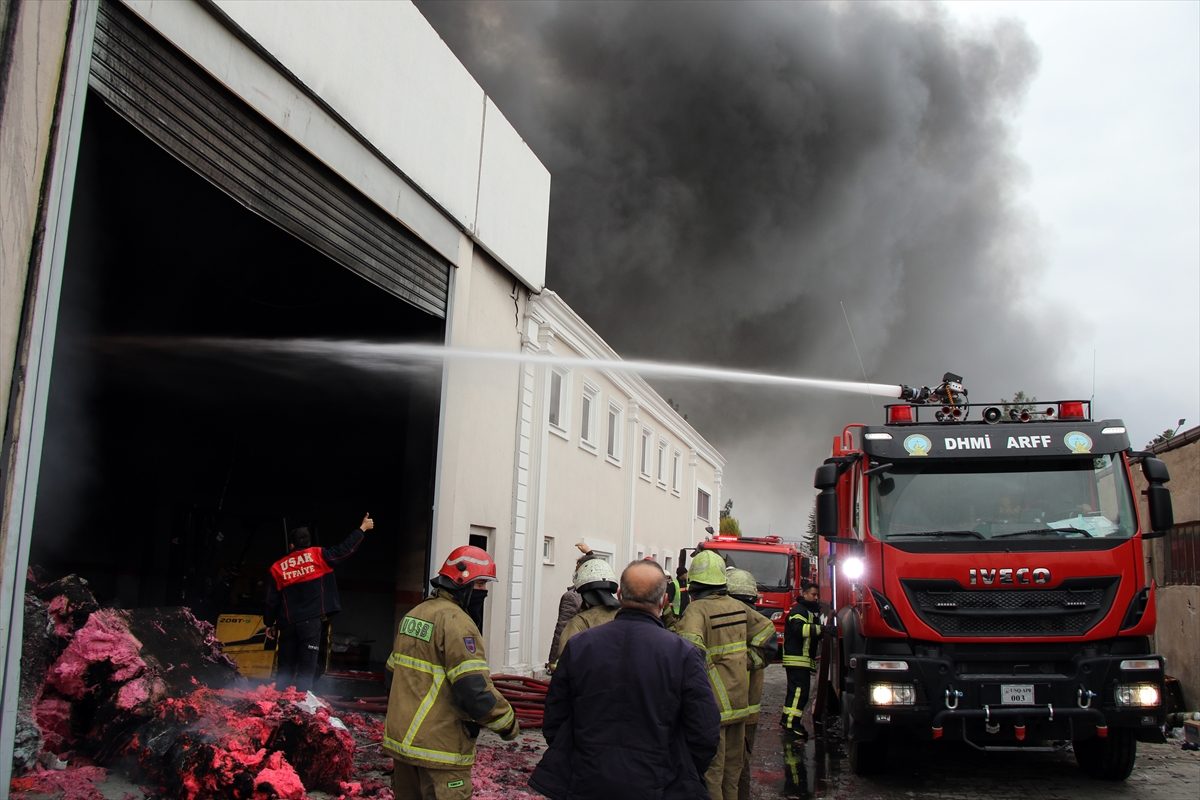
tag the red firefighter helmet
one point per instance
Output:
(467, 564)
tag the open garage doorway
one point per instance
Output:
(170, 475)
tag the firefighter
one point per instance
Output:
(742, 586)
(731, 636)
(442, 692)
(597, 585)
(675, 596)
(800, 636)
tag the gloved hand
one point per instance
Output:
(510, 733)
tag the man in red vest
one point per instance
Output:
(301, 591)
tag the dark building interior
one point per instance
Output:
(171, 470)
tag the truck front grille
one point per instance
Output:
(1071, 609)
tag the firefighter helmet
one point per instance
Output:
(707, 568)
(741, 583)
(468, 564)
(596, 570)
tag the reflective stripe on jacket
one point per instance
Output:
(732, 636)
(437, 647)
(800, 633)
(588, 618)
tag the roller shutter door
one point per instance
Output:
(166, 96)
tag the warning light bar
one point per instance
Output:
(899, 414)
(1071, 410)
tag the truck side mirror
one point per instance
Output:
(826, 477)
(1158, 497)
(1155, 470)
(827, 513)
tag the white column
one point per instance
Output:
(633, 462)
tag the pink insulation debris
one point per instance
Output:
(105, 637)
(74, 783)
(278, 778)
(502, 772)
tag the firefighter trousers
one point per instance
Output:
(744, 782)
(799, 679)
(726, 768)
(420, 783)
(299, 645)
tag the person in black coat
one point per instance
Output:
(300, 591)
(630, 711)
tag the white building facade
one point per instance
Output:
(539, 456)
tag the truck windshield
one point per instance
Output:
(770, 570)
(1009, 499)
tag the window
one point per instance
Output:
(641, 552)
(608, 557)
(662, 463)
(614, 433)
(645, 462)
(667, 566)
(555, 396)
(587, 416)
(676, 471)
(703, 499)
(560, 391)
(547, 549)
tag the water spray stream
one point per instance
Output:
(389, 357)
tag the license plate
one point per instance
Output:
(1016, 694)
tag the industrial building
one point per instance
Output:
(178, 174)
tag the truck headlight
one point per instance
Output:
(852, 568)
(776, 615)
(1135, 663)
(892, 694)
(1136, 695)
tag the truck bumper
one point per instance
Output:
(1003, 709)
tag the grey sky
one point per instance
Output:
(1110, 132)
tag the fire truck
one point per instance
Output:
(777, 566)
(984, 568)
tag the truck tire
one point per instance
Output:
(868, 758)
(1107, 759)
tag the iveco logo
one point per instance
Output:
(1009, 576)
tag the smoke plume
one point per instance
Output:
(725, 175)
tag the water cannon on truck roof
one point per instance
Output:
(984, 564)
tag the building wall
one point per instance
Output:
(1178, 632)
(605, 502)
(371, 90)
(39, 38)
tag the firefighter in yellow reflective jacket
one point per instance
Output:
(442, 692)
(732, 636)
(742, 586)
(597, 585)
(800, 635)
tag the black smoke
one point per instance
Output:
(726, 175)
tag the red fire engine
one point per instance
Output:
(987, 583)
(777, 566)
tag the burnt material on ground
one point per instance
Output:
(150, 691)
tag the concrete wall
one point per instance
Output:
(1178, 633)
(372, 91)
(480, 407)
(39, 38)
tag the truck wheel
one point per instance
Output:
(868, 758)
(1107, 759)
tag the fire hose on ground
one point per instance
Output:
(526, 695)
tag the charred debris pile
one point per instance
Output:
(149, 692)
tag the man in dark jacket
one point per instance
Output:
(301, 591)
(801, 633)
(630, 712)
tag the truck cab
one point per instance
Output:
(987, 583)
(778, 568)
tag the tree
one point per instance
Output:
(728, 509)
(808, 541)
(1169, 433)
(1023, 402)
(730, 526)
